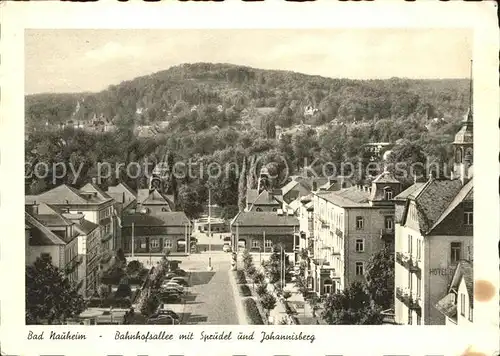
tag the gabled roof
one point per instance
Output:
(40, 234)
(465, 194)
(120, 190)
(464, 270)
(431, 200)
(51, 216)
(252, 194)
(448, 306)
(351, 197)
(91, 187)
(252, 218)
(153, 197)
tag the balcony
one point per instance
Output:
(408, 299)
(405, 260)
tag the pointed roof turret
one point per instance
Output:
(465, 134)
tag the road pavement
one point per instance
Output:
(210, 298)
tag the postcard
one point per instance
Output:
(249, 178)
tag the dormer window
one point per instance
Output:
(468, 217)
(388, 195)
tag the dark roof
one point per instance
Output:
(153, 197)
(253, 218)
(432, 199)
(40, 234)
(92, 187)
(465, 194)
(86, 227)
(175, 218)
(351, 197)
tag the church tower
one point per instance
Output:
(160, 177)
(463, 144)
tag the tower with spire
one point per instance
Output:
(463, 144)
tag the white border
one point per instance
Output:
(349, 340)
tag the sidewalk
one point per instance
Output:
(238, 299)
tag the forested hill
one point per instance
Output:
(163, 95)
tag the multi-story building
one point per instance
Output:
(125, 201)
(153, 201)
(157, 233)
(60, 246)
(350, 225)
(434, 228)
(259, 231)
(95, 205)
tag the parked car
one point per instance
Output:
(173, 287)
(171, 297)
(180, 280)
(226, 248)
(170, 275)
(163, 309)
(163, 320)
(180, 272)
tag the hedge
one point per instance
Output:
(245, 291)
(106, 303)
(240, 275)
(252, 312)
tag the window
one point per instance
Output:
(470, 314)
(419, 288)
(360, 245)
(410, 281)
(387, 193)
(327, 286)
(410, 243)
(468, 217)
(389, 223)
(258, 209)
(359, 268)
(167, 243)
(456, 249)
(360, 223)
(419, 320)
(255, 243)
(268, 244)
(410, 317)
(462, 304)
(419, 249)
(143, 244)
(155, 243)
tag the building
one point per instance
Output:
(458, 304)
(125, 201)
(263, 199)
(60, 246)
(350, 225)
(153, 201)
(295, 189)
(144, 233)
(259, 231)
(434, 230)
(95, 205)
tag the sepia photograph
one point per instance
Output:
(249, 177)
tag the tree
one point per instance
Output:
(261, 289)
(314, 303)
(268, 302)
(50, 295)
(134, 267)
(189, 201)
(380, 278)
(301, 284)
(258, 278)
(352, 306)
(242, 186)
(120, 257)
(123, 290)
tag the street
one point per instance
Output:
(210, 299)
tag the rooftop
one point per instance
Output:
(66, 195)
(40, 234)
(351, 197)
(252, 218)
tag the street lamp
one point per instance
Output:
(209, 268)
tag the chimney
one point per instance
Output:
(34, 208)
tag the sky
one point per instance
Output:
(91, 60)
